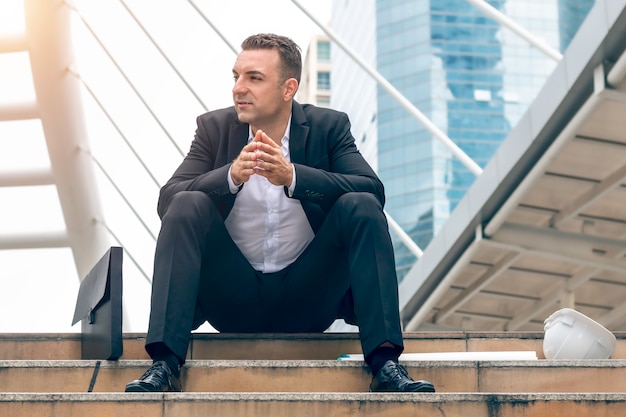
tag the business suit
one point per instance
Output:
(342, 199)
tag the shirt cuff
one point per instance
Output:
(292, 187)
(231, 184)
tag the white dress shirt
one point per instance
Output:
(270, 229)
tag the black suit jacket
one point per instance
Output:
(322, 149)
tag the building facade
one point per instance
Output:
(354, 91)
(315, 82)
(472, 77)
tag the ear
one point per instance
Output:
(290, 88)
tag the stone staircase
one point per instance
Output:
(273, 375)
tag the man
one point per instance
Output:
(273, 223)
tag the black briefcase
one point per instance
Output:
(99, 308)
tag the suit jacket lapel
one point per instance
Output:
(237, 139)
(298, 134)
(238, 136)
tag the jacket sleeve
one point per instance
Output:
(198, 171)
(340, 169)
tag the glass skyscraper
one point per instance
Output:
(571, 15)
(472, 77)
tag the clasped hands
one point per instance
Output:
(262, 156)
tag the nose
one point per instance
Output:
(239, 86)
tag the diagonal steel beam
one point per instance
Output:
(590, 197)
(553, 295)
(494, 272)
(396, 95)
(569, 247)
(509, 23)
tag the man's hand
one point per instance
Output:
(270, 162)
(244, 166)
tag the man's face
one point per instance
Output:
(258, 93)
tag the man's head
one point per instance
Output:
(288, 51)
(266, 74)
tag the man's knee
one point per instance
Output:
(359, 204)
(188, 205)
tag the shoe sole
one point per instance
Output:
(136, 388)
(423, 387)
(142, 388)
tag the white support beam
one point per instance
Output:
(26, 178)
(26, 110)
(60, 106)
(13, 43)
(404, 237)
(215, 28)
(34, 241)
(509, 23)
(164, 55)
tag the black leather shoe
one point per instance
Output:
(158, 378)
(393, 377)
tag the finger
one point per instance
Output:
(268, 141)
(264, 150)
(250, 147)
(246, 161)
(258, 136)
(262, 159)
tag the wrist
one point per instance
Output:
(236, 182)
(232, 182)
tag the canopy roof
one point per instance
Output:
(544, 226)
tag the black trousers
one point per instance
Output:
(347, 271)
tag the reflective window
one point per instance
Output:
(471, 78)
(323, 51)
(323, 80)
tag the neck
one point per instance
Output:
(274, 129)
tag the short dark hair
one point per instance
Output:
(288, 51)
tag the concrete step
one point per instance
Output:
(282, 346)
(312, 404)
(582, 376)
(298, 375)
